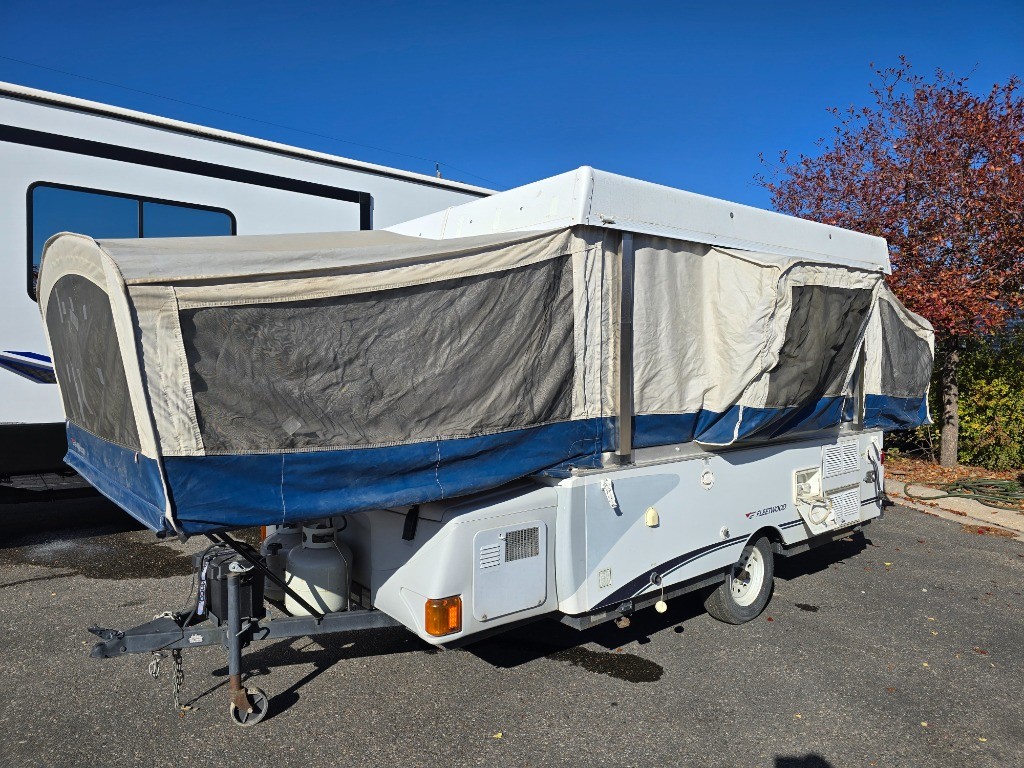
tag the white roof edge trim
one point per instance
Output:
(597, 198)
(16, 91)
(871, 244)
(739, 244)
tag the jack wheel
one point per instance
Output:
(747, 587)
(260, 704)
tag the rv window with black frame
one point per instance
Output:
(54, 208)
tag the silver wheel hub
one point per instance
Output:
(747, 577)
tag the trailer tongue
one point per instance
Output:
(575, 398)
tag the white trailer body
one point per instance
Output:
(61, 155)
(591, 561)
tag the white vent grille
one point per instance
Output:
(840, 459)
(845, 506)
(522, 544)
(490, 556)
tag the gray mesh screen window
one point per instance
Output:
(450, 359)
(906, 358)
(88, 362)
(821, 339)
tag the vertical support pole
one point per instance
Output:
(236, 692)
(624, 403)
(862, 360)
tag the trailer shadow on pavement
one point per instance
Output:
(24, 519)
(323, 652)
(898, 648)
(801, 761)
(821, 558)
(86, 536)
(545, 638)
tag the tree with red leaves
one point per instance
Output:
(938, 171)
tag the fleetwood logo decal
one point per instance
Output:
(767, 511)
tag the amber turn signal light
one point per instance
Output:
(444, 616)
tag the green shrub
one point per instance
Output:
(992, 404)
(991, 381)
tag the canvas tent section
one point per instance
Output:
(267, 379)
(900, 350)
(735, 345)
(287, 378)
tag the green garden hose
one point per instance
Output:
(999, 494)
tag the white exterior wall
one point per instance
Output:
(709, 505)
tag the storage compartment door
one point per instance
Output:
(510, 569)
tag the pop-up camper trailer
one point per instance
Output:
(576, 398)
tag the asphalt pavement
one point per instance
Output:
(899, 648)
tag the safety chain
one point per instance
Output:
(179, 678)
(179, 675)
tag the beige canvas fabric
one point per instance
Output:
(154, 280)
(709, 322)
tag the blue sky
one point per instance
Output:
(684, 94)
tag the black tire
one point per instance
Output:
(260, 706)
(730, 602)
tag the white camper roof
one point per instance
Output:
(593, 197)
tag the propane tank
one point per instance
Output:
(317, 571)
(275, 549)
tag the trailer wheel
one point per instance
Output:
(747, 587)
(260, 705)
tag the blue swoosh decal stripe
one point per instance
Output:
(641, 584)
(33, 355)
(28, 365)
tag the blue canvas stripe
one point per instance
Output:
(663, 429)
(850, 409)
(826, 412)
(884, 412)
(212, 492)
(717, 428)
(127, 478)
(721, 428)
(223, 492)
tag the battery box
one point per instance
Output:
(213, 567)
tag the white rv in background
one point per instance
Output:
(75, 165)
